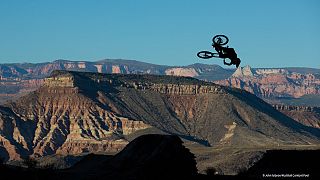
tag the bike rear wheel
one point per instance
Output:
(220, 39)
(207, 54)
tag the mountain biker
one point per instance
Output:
(226, 52)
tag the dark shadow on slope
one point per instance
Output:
(146, 157)
(10, 119)
(164, 157)
(266, 108)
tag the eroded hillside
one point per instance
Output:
(75, 112)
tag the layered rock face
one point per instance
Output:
(199, 108)
(309, 116)
(76, 112)
(151, 156)
(273, 83)
(12, 141)
(59, 119)
(189, 72)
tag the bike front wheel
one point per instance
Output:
(207, 54)
(220, 39)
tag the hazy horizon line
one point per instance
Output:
(141, 61)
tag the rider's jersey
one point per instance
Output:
(229, 51)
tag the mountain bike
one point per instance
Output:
(219, 40)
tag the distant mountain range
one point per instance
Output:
(277, 85)
(40, 70)
(264, 82)
(201, 71)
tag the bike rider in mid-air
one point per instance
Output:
(226, 52)
(222, 52)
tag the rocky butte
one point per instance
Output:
(77, 112)
(58, 118)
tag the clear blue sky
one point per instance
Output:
(269, 33)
